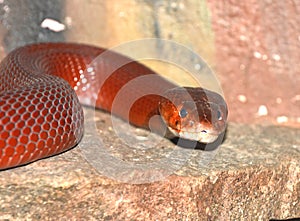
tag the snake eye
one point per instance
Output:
(219, 115)
(183, 113)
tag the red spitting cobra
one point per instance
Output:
(41, 115)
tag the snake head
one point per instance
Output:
(194, 113)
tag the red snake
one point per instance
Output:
(40, 113)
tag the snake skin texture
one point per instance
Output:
(42, 89)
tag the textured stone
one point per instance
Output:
(257, 54)
(255, 174)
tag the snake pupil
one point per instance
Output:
(219, 115)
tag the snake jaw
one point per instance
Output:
(200, 134)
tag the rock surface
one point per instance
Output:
(254, 175)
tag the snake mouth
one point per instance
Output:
(202, 136)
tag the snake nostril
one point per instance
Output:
(177, 124)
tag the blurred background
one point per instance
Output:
(253, 46)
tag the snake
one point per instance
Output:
(43, 87)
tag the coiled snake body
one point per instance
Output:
(41, 115)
